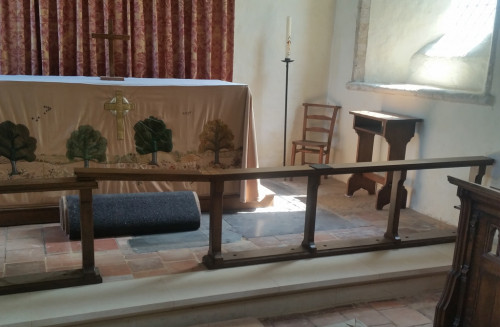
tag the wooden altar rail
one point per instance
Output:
(88, 274)
(216, 259)
(86, 179)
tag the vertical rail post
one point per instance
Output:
(214, 256)
(313, 182)
(398, 179)
(87, 231)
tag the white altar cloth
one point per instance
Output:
(52, 107)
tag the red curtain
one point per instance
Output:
(168, 38)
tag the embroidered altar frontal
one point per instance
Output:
(167, 124)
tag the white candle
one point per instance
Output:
(288, 49)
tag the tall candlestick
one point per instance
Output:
(288, 51)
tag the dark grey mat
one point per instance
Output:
(238, 226)
(134, 213)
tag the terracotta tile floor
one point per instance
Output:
(40, 248)
(416, 311)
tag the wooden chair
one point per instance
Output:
(312, 133)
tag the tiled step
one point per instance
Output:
(266, 290)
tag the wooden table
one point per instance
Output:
(397, 131)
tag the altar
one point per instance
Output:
(53, 107)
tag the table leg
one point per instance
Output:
(364, 154)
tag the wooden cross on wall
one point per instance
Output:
(111, 57)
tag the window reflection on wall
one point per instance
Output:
(426, 44)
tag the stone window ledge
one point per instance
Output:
(424, 91)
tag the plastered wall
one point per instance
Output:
(323, 40)
(260, 31)
(448, 129)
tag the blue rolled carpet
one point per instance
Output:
(134, 214)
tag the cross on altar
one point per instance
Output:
(111, 58)
(119, 106)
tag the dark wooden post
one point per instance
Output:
(214, 256)
(397, 197)
(313, 182)
(87, 231)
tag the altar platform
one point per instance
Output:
(170, 284)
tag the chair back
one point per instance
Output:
(329, 115)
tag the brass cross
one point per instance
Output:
(119, 106)
(111, 57)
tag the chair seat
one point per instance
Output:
(310, 143)
(314, 126)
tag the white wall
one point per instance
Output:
(323, 34)
(448, 129)
(260, 30)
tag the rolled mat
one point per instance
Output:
(133, 214)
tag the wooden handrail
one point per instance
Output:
(278, 172)
(45, 185)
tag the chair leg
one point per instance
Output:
(292, 160)
(327, 159)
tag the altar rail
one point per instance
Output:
(216, 259)
(86, 179)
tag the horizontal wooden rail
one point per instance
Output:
(216, 178)
(277, 172)
(45, 185)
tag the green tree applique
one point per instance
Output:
(88, 144)
(16, 144)
(151, 136)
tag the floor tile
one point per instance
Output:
(63, 261)
(367, 315)
(29, 231)
(177, 255)
(388, 304)
(325, 318)
(24, 268)
(109, 258)
(105, 244)
(405, 317)
(138, 265)
(24, 243)
(25, 255)
(57, 247)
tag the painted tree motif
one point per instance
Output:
(151, 136)
(16, 144)
(216, 135)
(88, 144)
